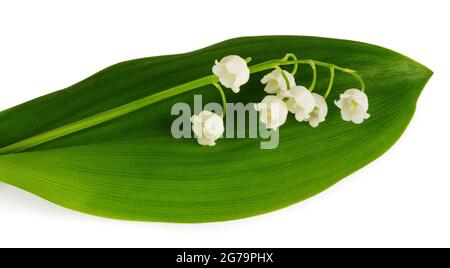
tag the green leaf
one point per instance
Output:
(131, 168)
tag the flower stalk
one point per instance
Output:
(294, 58)
(286, 79)
(314, 70)
(289, 59)
(224, 99)
(330, 84)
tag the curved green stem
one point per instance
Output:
(358, 77)
(330, 84)
(286, 79)
(336, 67)
(224, 99)
(294, 58)
(106, 116)
(314, 70)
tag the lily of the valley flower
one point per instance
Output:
(232, 71)
(354, 105)
(276, 83)
(208, 127)
(319, 112)
(273, 111)
(301, 103)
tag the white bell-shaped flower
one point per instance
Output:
(320, 111)
(208, 127)
(301, 103)
(232, 71)
(273, 111)
(354, 105)
(276, 83)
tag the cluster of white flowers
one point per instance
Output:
(286, 96)
(305, 105)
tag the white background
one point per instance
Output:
(400, 200)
